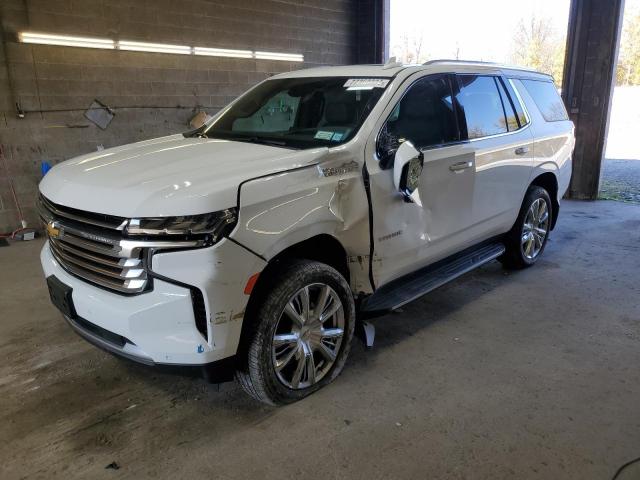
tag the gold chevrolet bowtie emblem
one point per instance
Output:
(52, 230)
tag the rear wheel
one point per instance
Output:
(528, 237)
(301, 335)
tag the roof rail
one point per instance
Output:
(478, 62)
(452, 60)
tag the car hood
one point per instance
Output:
(167, 176)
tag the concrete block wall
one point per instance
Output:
(152, 94)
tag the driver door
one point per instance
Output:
(408, 236)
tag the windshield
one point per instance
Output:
(299, 112)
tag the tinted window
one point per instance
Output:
(512, 119)
(425, 116)
(299, 112)
(522, 118)
(482, 106)
(547, 100)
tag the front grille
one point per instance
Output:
(91, 246)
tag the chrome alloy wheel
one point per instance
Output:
(308, 336)
(535, 229)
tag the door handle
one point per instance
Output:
(458, 167)
(522, 150)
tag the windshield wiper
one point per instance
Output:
(259, 140)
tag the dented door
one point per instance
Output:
(407, 235)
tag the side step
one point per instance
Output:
(405, 289)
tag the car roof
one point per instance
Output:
(345, 71)
(391, 69)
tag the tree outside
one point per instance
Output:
(408, 48)
(628, 70)
(531, 35)
(537, 44)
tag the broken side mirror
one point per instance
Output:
(407, 168)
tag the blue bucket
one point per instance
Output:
(44, 168)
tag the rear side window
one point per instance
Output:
(517, 104)
(512, 118)
(482, 105)
(547, 99)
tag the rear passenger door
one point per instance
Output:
(496, 124)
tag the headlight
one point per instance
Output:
(214, 224)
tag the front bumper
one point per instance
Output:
(218, 371)
(158, 327)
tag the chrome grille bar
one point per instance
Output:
(81, 247)
(98, 279)
(102, 270)
(96, 219)
(98, 258)
(93, 246)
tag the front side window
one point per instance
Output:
(299, 112)
(547, 99)
(425, 116)
(482, 105)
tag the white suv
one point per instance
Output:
(256, 245)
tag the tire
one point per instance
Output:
(523, 252)
(283, 343)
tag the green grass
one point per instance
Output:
(619, 192)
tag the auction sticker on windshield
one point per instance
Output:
(366, 83)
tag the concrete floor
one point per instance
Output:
(498, 375)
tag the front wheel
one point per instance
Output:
(528, 237)
(301, 336)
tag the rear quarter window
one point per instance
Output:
(546, 97)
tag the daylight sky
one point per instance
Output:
(482, 29)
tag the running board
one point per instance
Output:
(406, 289)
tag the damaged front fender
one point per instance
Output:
(326, 197)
